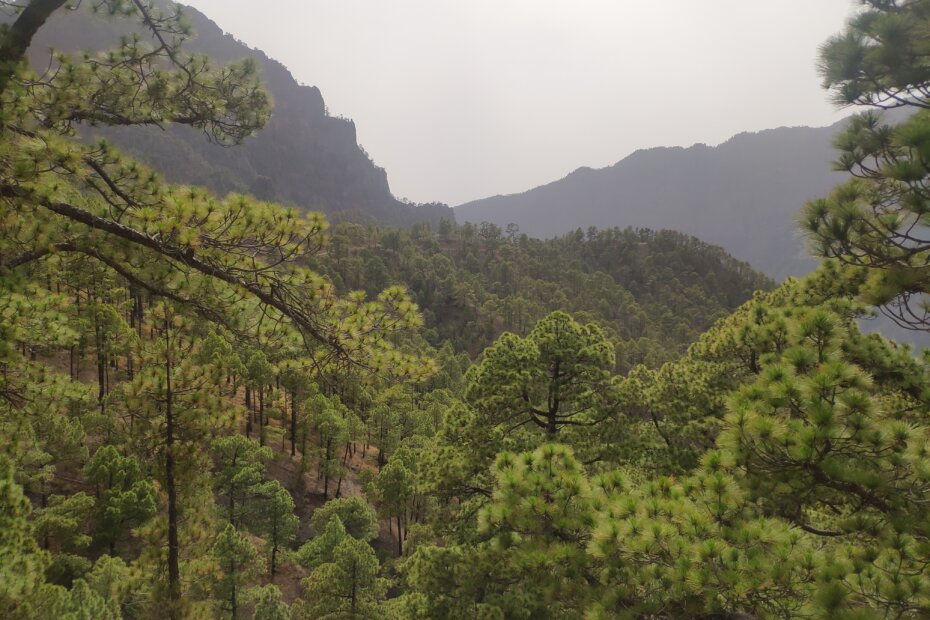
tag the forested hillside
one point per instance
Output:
(304, 156)
(654, 292)
(743, 195)
(223, 408)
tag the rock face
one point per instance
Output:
(303, 157)
(743, 195)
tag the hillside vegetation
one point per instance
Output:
(742, 195)
(654, 292)
(224, 408)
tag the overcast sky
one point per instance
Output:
(462, 99)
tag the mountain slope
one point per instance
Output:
(742, 195)
(303, 157)
(654, 292)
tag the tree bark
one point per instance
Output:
(16, 41)
(248, 412)
(261, 415)
(234, 604)
(174, 568)
(294, 423)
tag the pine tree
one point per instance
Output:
(22, 563)
(873, 223)
(278, 523)
(540, 514)
(179, 405)
(320, 549)
(395, 488)
(239, 471)
(354, 513)
(238, 561)
(558, 377)
(330, 422)
(124, 498)
(841, 454)
(348, 587)
(268, 604)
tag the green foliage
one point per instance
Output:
(238, 561)
(320, 549)
(278, 523)
(125, 499)
(240, 464)
(540, 514)
(775, 466)
(79, 603)
(22, 563)
(353, 513)
(111, 579)
(652, 292)
(802, 499)
(829, 448)
(60, 522)
(268, 604)
(330, 419)
(875, 60)
(394, 488)
(556, 377)
(461, 582)
(694, 550)
(458, 463)
(872, 222)
(347, 587)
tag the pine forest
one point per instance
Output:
(217, 406)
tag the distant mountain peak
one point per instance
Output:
(742, 194)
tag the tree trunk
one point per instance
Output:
(552, 422)
(248, 412)
(233, 603)
(140, 314)
(174, 569)
(328, 456)
(261, 415)
(17, 38)
(293, 422)
(342, 471)
(101, 365)
(283, 419)
(274, 549)
(44, 503)
(354, 597)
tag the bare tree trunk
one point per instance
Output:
(293, 422)
(248, 412)
(174, 568)
(261, 415)
(345, 458)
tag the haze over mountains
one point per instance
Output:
(303, 157)
(743, 195)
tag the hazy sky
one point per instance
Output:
(462, 99)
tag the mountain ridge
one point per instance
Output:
(761, 177)
(303, 157)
